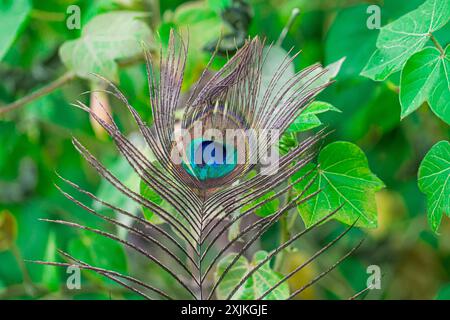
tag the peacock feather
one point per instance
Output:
(209, 182)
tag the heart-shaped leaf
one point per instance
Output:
(434, 181)
(256, 285)
(308, 119)
(426, 77)
(106, 38)
(403, 37)
(344, 178)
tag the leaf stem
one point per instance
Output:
(393, 87)
(437, 44)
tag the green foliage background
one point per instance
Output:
(37, 48)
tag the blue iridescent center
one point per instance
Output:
(210, 159)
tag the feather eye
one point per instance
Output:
(201, 168)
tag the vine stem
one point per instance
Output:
(285, 234)
(65, 78)
(59, 82)
(437, 44)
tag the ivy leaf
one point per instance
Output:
(232, 278)
(13, 15)
(265, 278)
(403, 37)
(266, 209)
(418, 79)
(440, 96)
(425, 78)
(106, 38)
(434, 181)
(307, 119)
(345, 179)
(256, 285)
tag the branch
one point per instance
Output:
(65, 78)
(59, 82)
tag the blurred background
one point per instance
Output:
(35, 137)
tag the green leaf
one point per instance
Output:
(425, 78)
(266, 209)
(440, 96)
(345, 179)
(154, 197)
(149, 194)
(106, 38)
(106, 191)
(377, 117)
(99, 251)
(434, 181)
(265, 278)
(13, 15)
(32, 239)
(307, 119)
(403, 37)
(195, 18)
(352, 40)
(256, 285)
(50, 274)
(418, 79)
(287, 142)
